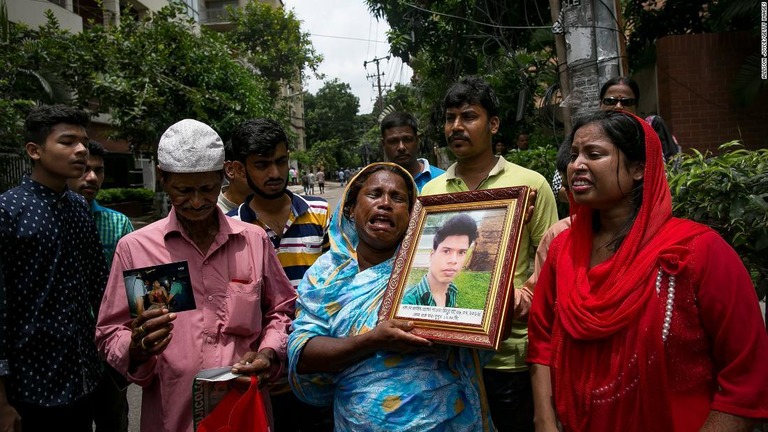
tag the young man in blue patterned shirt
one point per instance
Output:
(298, 228)
(111, 225)
(110, 397)
(54, 277)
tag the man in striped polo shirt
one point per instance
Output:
(298, 228)
(110, 398)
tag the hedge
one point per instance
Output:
(728, 192)
(116, 195)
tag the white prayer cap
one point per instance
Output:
(190, 146)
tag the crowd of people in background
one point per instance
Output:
(629, 318)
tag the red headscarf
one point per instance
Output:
(609, 366)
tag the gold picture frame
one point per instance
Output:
(458, 291)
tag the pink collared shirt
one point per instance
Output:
(244, 303)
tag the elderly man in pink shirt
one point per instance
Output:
(244, 300)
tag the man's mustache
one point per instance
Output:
(456, 136)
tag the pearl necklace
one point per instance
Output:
(670, 302)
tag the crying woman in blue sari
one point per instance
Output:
(378, 376)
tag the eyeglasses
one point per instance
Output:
(611, 101)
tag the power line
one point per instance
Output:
(350, 38)
(378, 75)
(473, 21)
(498, 26)
(370, 27)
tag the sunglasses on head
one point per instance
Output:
(611, 101)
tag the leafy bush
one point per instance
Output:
(540, 159)
(116, 195)
(728, 192)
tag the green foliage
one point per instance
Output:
(333, 126)
(331, 113)
(303, 157)
(116, 195)
(273, 43)
(21, 83)
(147, 74)
(334, 154)
(462, 37)
(728, 192)
(183, 73)
(372, 138)
(539, 159)
(403, 98)
(12, 113)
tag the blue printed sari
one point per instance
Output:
(433, 389)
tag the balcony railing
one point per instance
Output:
(217, 14)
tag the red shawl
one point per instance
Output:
(608, 360)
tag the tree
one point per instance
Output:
(402, 98)
(21, 84)
(443, 41)
(332, 125)
(333, 154)
(273, 43)
(183, 73)
(330, 113)
(145, 74)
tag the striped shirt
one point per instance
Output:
(304, 237)
(111, 226)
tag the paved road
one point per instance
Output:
(332, 193)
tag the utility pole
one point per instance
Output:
(592, 50)
(378, 76)
(562, 63)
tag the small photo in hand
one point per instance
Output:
(160, 286)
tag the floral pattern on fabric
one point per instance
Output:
(436, 389)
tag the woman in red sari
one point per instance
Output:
(641, 321)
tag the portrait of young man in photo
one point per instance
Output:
(447, 258)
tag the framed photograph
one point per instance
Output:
(453, 276)
(160, 286)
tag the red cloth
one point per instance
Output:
(238, 412)
(603, 337)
